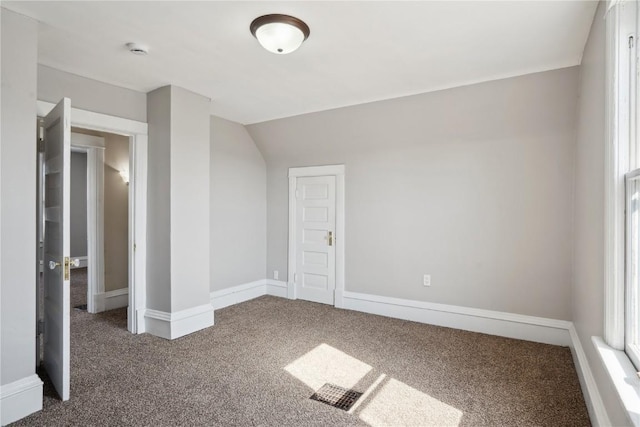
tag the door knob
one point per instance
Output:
(330, 239)
(75, 262)
(53, 265)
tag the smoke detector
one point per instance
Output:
(137, 48)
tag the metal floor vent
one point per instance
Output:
(81, 307)
(336, 396)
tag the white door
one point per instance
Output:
(315, 277)
(57, 149)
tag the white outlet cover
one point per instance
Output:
(427, 280)
(275, 274)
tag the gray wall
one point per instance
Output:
(91, 95)
(588, 263)
(158, 200)
(116, 212)
(238, 207)
(178, 256)
(472, 185)
(190, 175)
(18, 204)
(78, 205)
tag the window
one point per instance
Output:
(622, 215)
(629, 164)
(629, 142)
(620, 350)
(632, 279)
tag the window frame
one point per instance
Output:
(621, 150)
(620, 159)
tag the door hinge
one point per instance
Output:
(40, 328)
(630, 42)
(40, 145)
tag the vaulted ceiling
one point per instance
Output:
(357, 52)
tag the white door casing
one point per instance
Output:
(57, 152)
(317, 218)
(138, 137)
(94, 148)
(315, 275)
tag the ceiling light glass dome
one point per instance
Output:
(280, 34)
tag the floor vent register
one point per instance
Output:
(336, 396)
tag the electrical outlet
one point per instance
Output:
(275, 274)
(426, 281)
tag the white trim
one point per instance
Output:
(138, 232)
(619, 26)
(20, 399)
(316, 171)
(276, 288)
(137, 132)
(624, 377)
(95, 225)
(340, 240)
(178, 324)
(105, 301)
(518, 326)
(291, 270)
(329, 170)
(93, 147)
(247, 291)
(83, 261)
(97, 121)
(237, 294)
(80, 142)
(595, 406)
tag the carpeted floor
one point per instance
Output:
(78, 287)
(264, 358)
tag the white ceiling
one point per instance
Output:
(357, 52)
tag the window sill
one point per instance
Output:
(624, 377)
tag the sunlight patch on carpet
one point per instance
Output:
(396, 403)
(325, 364)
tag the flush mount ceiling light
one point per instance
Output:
(279, 33)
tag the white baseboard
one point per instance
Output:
(248, 291)
(111, 300)
(529, 328)
(592, 398)
(20, 398)
(276, 288)
(237, 294)
(84, 262)
(178, 324)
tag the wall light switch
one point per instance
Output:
(275, 274)
(426, 281)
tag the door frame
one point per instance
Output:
(328, 170)
(138, 142)
(95, 214)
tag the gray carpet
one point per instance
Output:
(264, 358)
